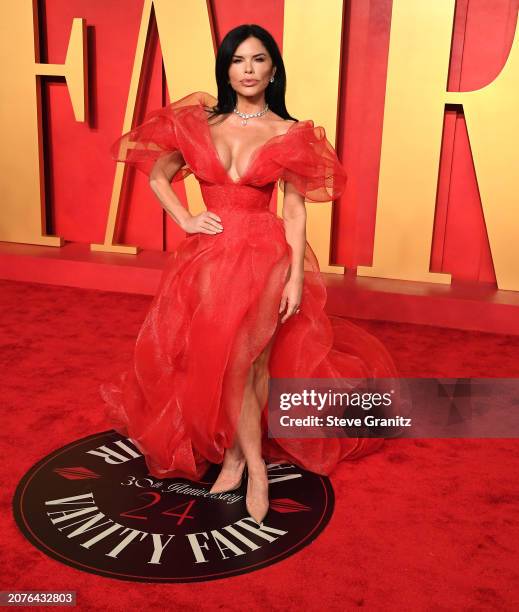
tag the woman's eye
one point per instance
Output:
(258, 59)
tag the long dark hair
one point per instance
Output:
(275, 92)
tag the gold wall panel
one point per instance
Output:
(22, 193)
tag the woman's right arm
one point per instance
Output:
(160, 177)
(160, 182)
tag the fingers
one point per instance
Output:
(210, 228)
(283, 303)
(210, 223)
(212, 215)
(293, 309)
(214, 219)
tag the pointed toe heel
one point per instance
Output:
(235, 485)
(258, 516)
(258, 507)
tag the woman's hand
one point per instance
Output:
(291, 298)
(206, 222)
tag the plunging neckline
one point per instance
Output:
(252, 158)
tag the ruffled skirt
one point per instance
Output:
(216, 309)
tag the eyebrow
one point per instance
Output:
(255, 55)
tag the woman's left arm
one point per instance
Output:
(294, 218)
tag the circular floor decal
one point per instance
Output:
(93, 505)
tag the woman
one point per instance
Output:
(242, 298)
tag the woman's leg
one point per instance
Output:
(232, 469)
(246, 447)
(249, 434)
(254, 399)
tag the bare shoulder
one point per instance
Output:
(280, 124)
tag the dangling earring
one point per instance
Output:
(271, 79)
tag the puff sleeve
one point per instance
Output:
(309, 162)
(156, 137)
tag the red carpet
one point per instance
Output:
(422, 525)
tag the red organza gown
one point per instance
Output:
(217, 305)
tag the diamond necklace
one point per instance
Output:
(246, 116)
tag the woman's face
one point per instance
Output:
(251, 67)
